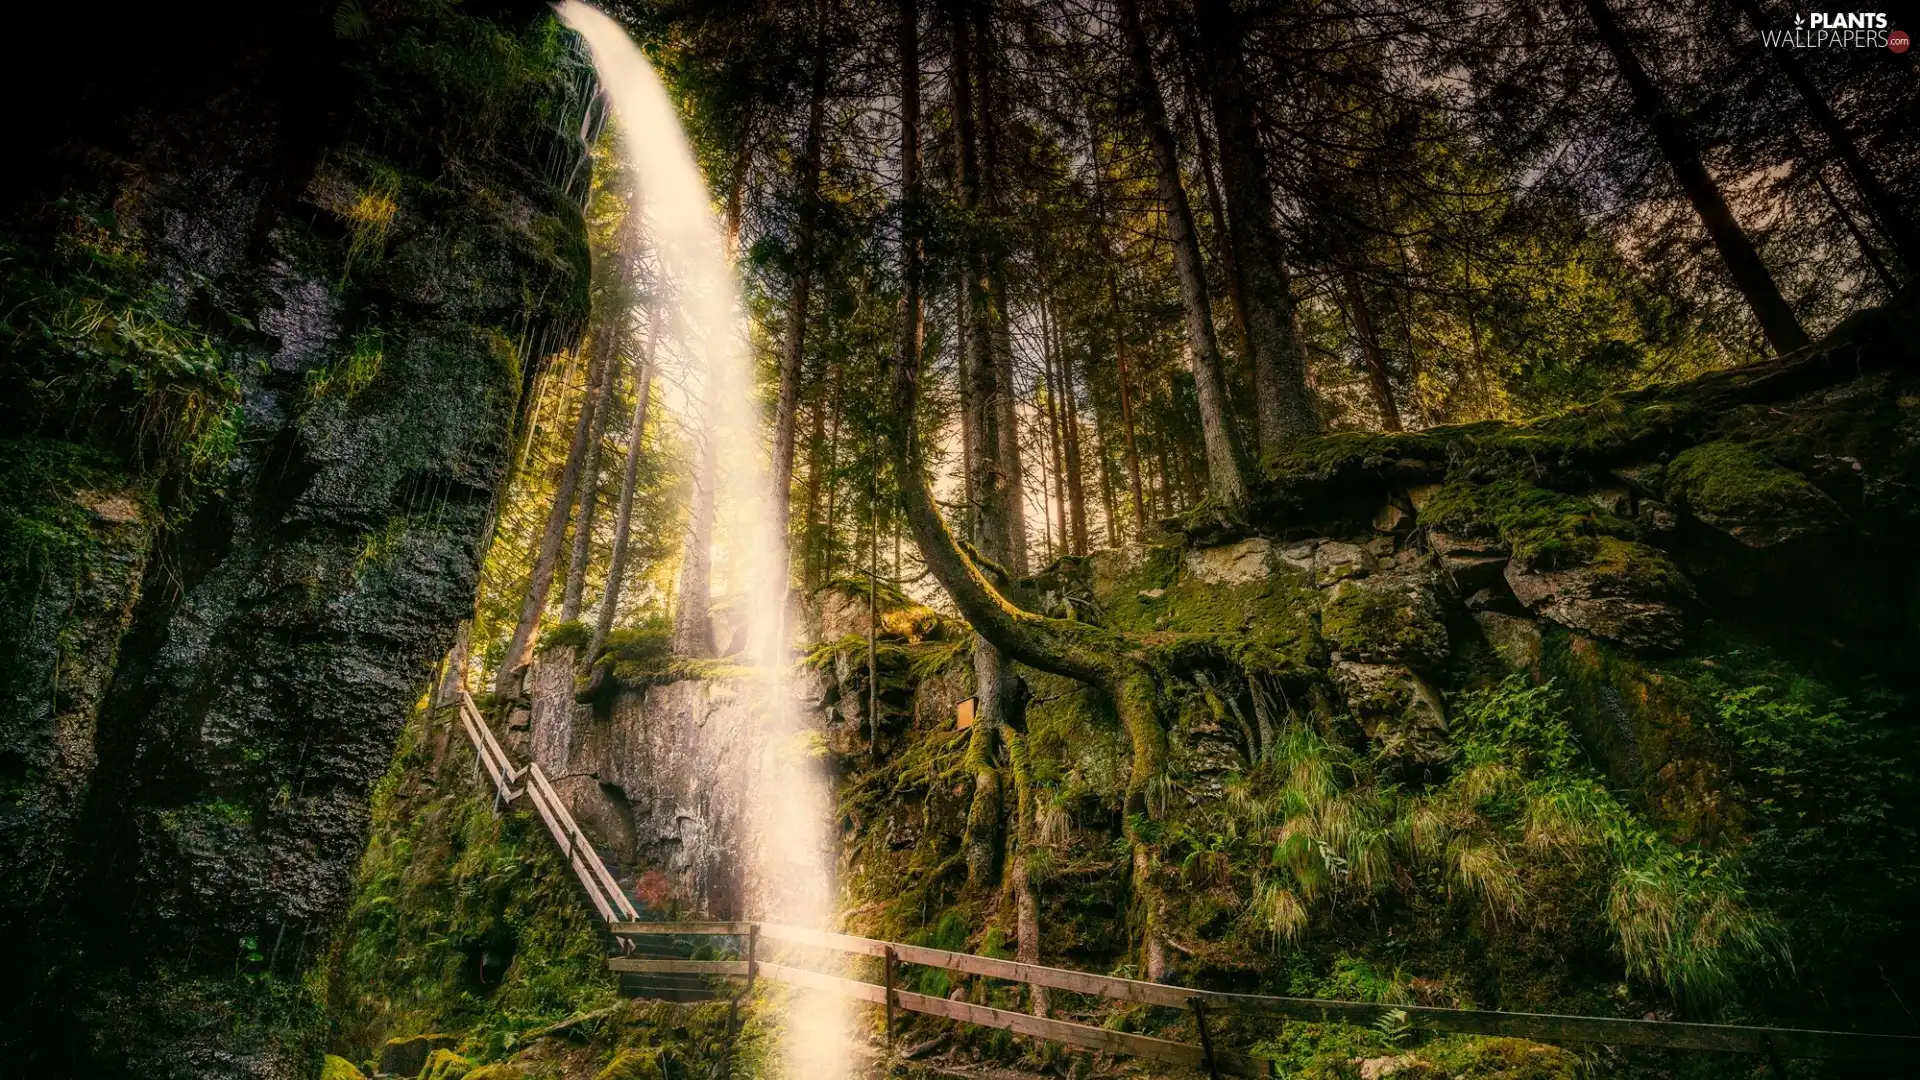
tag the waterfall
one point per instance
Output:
(789, 847)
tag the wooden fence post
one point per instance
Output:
(890, 963)
(753, 942)
(1206, 1040)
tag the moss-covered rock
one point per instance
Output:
(1385, 620)
(1745, 494)
(1625, 592)
(408, 1055)
(339, 1068)
(445, 1065)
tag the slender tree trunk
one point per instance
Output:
(1216, 208)
(1226, 459)
(454, 678)
(589, 485)
(1897, 227)
(1126, 406)
(1284, 407)
(1361, 316)
(828, 551)
(629, 480)
(816, 462)
(1775, 316)
(873, 614)
(547, 559)
(990, 483)
(800, 292)
(1119, 339)
(1070, 427)
(1108, 497)
(993, 266)
(1055, 450)
(693, 622)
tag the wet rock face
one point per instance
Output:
(381, 309)
(659, 781)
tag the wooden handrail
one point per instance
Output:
(607, 896)
(1092, 1038)
(1725, 1038)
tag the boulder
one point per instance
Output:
(1470, 562)
(1381, 619)
(1298, 556)
(408, 1056)
(1393, 518)
(1232, 564)
(1515, 641)
(1629, 593)
(1741, 492)
(1337, 560)
(1397, 709)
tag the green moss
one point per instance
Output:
(1735, 487)
(1541, 527)
(1373, 619)
(445, 1065)
(352, 373)
(637, 1063)
(639, 656)
(572, 634)
(1264, 626)
(339, 1068)
(1632, 569)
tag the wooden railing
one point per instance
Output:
(624, 921)
(1773, 1043)
(607, 896)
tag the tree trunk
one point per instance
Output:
(816, 462)
(1750, 276)
(827, 546)
(1879, 267)
(1216, 208)
(1284, 407)
(623, 518)
(1070, 427)
(547, 559)
(454, 678)
(1055, 450)
(1361, 316)
(1109, 499)
(1074, 650)
(1881, 205)
(992, 506)
(1226, 460)
(800, 292)
(693, 622)
(589, 484)
(993, 268)
(1119, 342)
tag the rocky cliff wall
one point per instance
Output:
(280, 281)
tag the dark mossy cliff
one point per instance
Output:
(278, 279)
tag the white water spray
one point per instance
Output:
(790, 879)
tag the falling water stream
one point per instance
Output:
(789, 878)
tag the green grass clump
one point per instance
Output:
(572, 634)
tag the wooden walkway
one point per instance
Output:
(1776, 1044)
